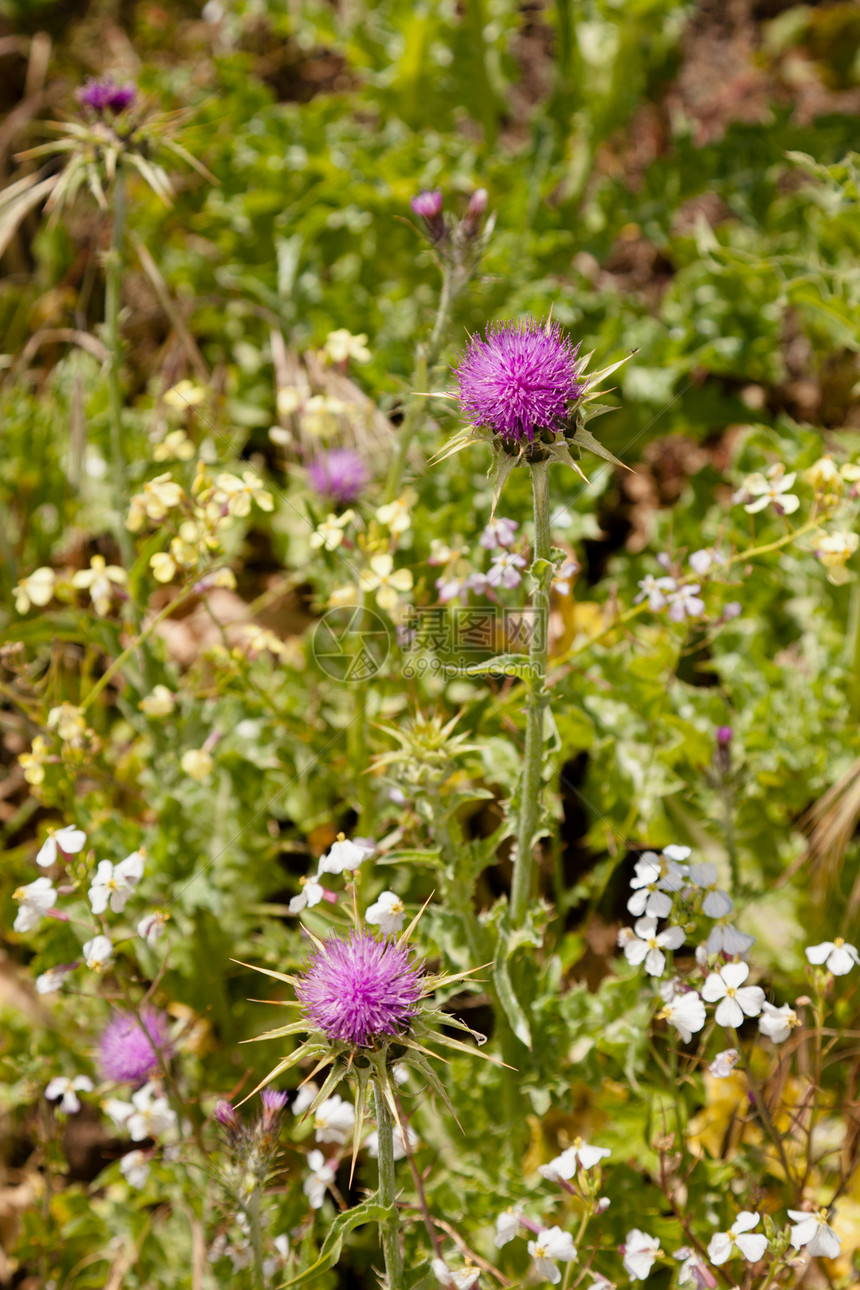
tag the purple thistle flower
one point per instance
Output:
(357, 989)
(130, 1047)
(428, 203)
(339, 475)
(106, 94)
(519, 378)
(225, 1114)
(724, 736)
(273, 1104)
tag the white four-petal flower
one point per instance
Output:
(388, 913)
(752, 1247)
(71, 840)
(640, 1251)
(34, 899)
(837, 956)
(648, 945)
(115, 883)
(813, 1231)
(552, 1243)
(66, 1091)
(738, 1000)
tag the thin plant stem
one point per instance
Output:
(530, 789)
(252, 1211)
(763, 1110)
(113, 292)
(389, 1228)
(142, 636)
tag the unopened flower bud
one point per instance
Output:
(475, 211)
(428, 204)
(225, 1114)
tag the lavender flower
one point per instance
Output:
(130, 1046)
(273, 1104)
(358, 989)
(339, 475)
(521, 377)
(106, 95)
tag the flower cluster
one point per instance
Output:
(198, 518)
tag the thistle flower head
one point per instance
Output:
(105, 94)
(367, 1005)
(519, 378)
(130, 1046)
(339, 475)
(358, 990)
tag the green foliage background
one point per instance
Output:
(718, 236)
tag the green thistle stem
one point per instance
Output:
(530, 789)
(252, 1211)
(389, 1230)
(113, 291)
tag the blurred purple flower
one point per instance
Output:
(520, 377)
(225, 1113)
(724, 736)
(428, 203)
(106, 94)
(130, 1046)
(339, 475)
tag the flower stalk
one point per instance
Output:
(113, 291)
(389, 1228)
(530, 790)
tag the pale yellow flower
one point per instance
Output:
(33, 761)
(320, 416)
(329, 534)
(160, 703)
(824, 476)
(239, 493)
(36, 589)
(834, 550)
(346, 595)
(396, 516)
(68, 721)
(385, 580)
(341, 345)
(163, 566)
(184, 395)
(99, 580)
(288, 400)
(175, 446)
(197, 763)
(159, 496)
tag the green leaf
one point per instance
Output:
(585, 439)
(510, 664)
(368, 1212)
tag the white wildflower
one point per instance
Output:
(551, 1243)
(98, 953)
(685, 1012)
(115, 883)
(334, 1120)
(716, 903)
(388, 913)
(66, 1090)
(317, 1182)
(812, 1231)
(134, 1167)
(640, 1251)
(777, 1023)
(752, 1247)
(34, 899)
(345, 855)
(648, 945)
(70, 840)
(738, 1000)
(837, 956)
